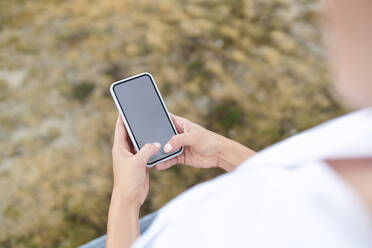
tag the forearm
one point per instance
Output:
(231, 153)
(122, 224)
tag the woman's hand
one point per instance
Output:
(131, 185)
(131, 176)
(203, 148)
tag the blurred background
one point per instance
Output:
(252, 70)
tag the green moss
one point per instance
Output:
(82, 90)
(3, 90)
(72, 36)
(26, 48)
(195, 66)
(11, 212)
(7, 122)
(225, 115)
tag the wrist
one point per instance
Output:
(123, 222)
(123, 200)
(231, 153)
(221, 150)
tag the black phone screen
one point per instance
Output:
(145, 113)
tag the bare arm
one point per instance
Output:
(231, 153)
(122, 225)
(131, 185)
(203, 148)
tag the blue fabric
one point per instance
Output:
(145, 222)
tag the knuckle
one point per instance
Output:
(149, 147)
(145, 147)
(175, 140)
(135, 159)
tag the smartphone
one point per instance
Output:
(144, 114)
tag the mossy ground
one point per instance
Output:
(252, 70)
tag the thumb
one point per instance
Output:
(175, 143)
(147, 151)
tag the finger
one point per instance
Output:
(167, 164)
(121, 135)
(175, 143)
(179, 122)
(147, 151)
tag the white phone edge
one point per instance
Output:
(126, 121)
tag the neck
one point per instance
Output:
(358, 173)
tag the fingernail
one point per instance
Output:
(157, 145)
(167, 147)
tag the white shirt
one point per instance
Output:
(284, 196)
